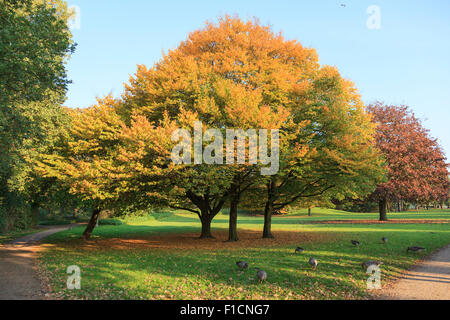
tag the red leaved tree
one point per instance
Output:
(417, 168)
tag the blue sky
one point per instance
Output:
(407, 61)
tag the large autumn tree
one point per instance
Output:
(417, 170)
(229, 75)
(236, 74)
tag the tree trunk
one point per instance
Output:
(208, 210)
(35, 213)
(91, 224)
(232, 230)
(62, 210)
(383, 209)
(268, 210)
(206, 227)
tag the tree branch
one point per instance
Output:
(301, 195)
(186, 209)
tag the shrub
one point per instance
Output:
(110, 222)
(15, 216)
(55, 222)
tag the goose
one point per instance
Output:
(313, 262)
(261, 275)
(355, 243)
(299, 250)
(385, 240)
(242, 264)
(415, 249)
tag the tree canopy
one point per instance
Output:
(416, 164)
(35, 42)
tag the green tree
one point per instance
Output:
(35, 41)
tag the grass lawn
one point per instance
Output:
(161, 258)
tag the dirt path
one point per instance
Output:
(18, 279)
(429, 280)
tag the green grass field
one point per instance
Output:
(151, 262)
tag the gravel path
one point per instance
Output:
(18, 279)
(429, 280)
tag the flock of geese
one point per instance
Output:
(261, 275)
